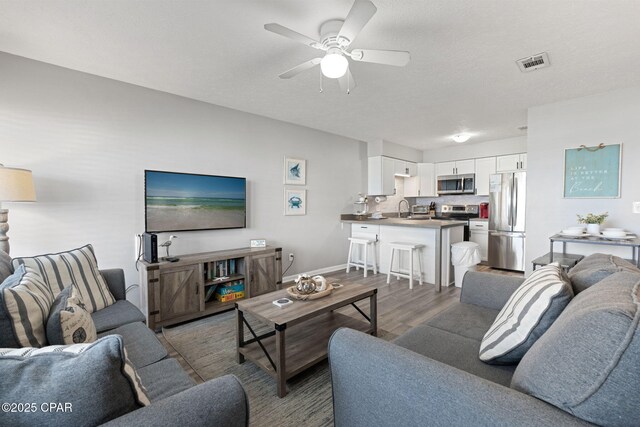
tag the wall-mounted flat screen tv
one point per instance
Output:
(187, 202)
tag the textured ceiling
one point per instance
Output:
(462, 75)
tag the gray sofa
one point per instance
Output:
(175, 398)
(432, 375)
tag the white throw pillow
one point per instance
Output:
(528, 313)
(69, 321)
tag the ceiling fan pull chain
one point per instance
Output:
(320, 81)
(348, 82)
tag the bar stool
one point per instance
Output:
(365, 244)
(412, 248)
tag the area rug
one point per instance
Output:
(208, 346)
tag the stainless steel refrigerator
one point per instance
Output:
(507, 196)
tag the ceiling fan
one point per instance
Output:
(336, 37)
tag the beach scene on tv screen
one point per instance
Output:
(193, 202)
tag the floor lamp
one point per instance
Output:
(16, 185)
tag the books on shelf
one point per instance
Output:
(237, 286)
(226, 292)
(209, 292)
(229, 297)
(222, 269)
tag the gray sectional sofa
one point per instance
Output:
(92, 386)
(585, 369)
(175, 398)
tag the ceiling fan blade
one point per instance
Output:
(346, 82)
(300, 68)
(398, 58)
(360, 13)
(290, 34)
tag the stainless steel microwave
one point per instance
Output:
(457, 184)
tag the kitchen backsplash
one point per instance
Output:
(391, 204)
(449, 200)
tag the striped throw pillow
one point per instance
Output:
(25, 301)
(528, 313)
(78, 267)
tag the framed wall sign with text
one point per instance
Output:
(592, 172)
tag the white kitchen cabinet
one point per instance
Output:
(479, 233)
(423, 184)
(465, 166)
(445, 168)
(484, 168)
(381, 176)
(458, 167)
(426, 173)
(404, 168)
(511, 163)
(412, 186)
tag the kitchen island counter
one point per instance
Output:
(435, 235)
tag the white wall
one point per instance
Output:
(497, 147)
(391, 149)
(608, 118)
(88, 140)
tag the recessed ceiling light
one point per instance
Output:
(461, 137)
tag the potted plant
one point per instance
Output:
(593, 222)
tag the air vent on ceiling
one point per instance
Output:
(534, 62)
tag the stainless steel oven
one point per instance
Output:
(457, 184)
(460, 213)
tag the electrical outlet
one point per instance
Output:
(636, 207)
(291, 256)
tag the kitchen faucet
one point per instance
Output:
(400, 204)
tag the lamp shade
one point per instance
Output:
(16, 185)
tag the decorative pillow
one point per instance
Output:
(6, 269)
(78, 266)
(69, 321)
(25, 301)
(90, 383)
(593, 268)
(528, 313)
(587, 362)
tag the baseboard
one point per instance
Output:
(316, 272)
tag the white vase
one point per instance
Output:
(593, 229)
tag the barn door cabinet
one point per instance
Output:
(174, 292)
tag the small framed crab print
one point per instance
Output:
(295, 202)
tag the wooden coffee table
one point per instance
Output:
(307, 326)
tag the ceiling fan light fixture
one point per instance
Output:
(334, 65)
(461, 137)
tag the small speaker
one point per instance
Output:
(150, 253)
